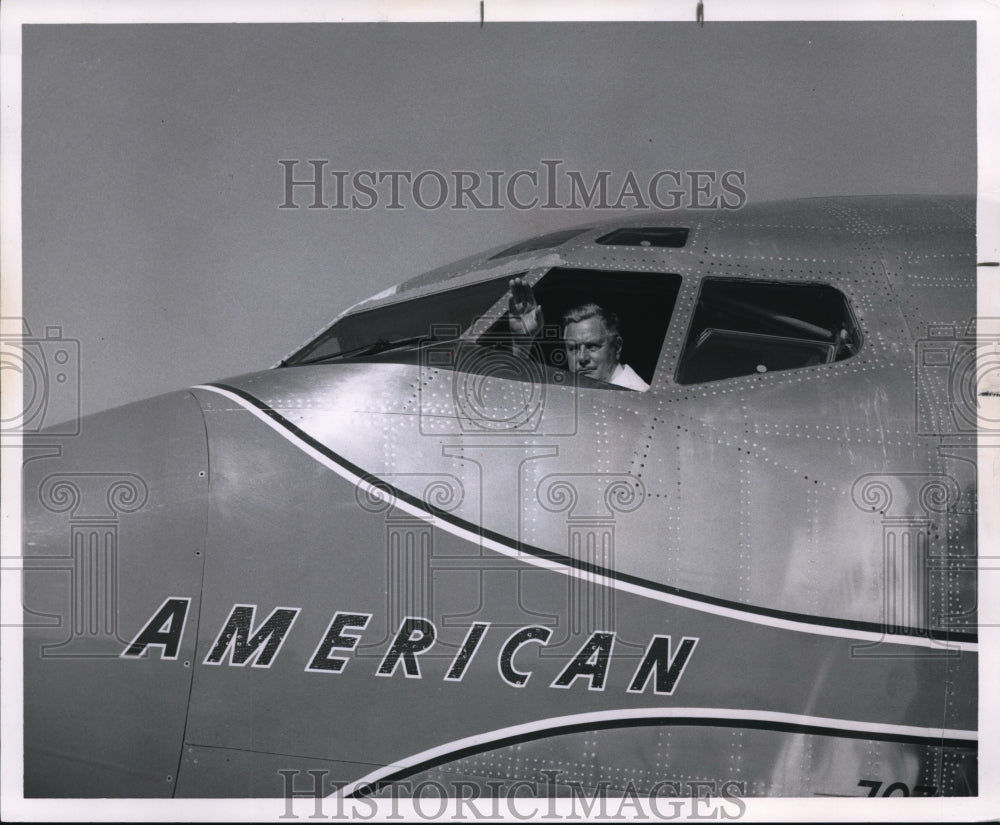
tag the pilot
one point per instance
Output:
(590, 333)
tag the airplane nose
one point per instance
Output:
(115, 521)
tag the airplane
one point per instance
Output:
(409, 556)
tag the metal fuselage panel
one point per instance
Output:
(114, 525)
(355, 552)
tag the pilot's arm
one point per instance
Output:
(525, 315)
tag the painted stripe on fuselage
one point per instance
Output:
(547, 559)
(622, 718)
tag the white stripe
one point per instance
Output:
(483, 740)
(607, 581)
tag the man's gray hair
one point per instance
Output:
(585, 311)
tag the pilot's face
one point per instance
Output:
(591, 349)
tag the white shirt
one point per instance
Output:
(625, 376)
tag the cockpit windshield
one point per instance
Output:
(443, 316)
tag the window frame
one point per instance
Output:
(655, 360)
(858, 337)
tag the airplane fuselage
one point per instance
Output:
(409, 552)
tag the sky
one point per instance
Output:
(152, 229)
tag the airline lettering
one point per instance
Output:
(243, 640)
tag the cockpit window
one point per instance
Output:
(434, 327)
(751, 328)
(642, 301)
(439, 317)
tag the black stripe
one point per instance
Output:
(802, 618)
(698, 721)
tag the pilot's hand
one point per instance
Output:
(522, 298)
(525, 315)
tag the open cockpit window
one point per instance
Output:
(643, 303)
(754, 327)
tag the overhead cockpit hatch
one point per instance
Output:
(662, 236)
